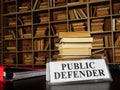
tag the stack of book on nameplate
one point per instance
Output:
(74, 44)
(18, 73)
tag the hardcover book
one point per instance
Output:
(73, 34)
(17, 73)
(75, 51)
(74, 45)
(89, 39)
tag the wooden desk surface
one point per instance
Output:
(39, 83)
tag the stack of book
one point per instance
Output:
(40, 58)
(10, 34)
(40, 31)
(43, 17)
(11, 48)
(61, 15)
(25, 6)
(43, 5)
(78, 26)
(98, 42)
(27, 32)
(8, 37)
(27, 20)
(60, 27)
(12, 22)
(27, 58)
(75, 44)
(102, 10)
(97, 25)
(9, 59)
(27, 35)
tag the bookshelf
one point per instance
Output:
(29, 28)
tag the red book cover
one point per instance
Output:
(1, 73)
(1, 85)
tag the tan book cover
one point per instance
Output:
(81, 13)
(20, 31)
(76, 14)
(75, 51)
(73, 34)
(97, 51)
(74, 45)
(69, 57)
(87, 39)
(97, 45)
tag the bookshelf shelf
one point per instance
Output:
(30, 26)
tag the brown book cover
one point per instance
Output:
(78, 23)
(98, 20)
(116, 8)
(79, 29)
(71, 14)
(117, 42)
(46, 45)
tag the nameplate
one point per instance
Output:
(77, 70)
